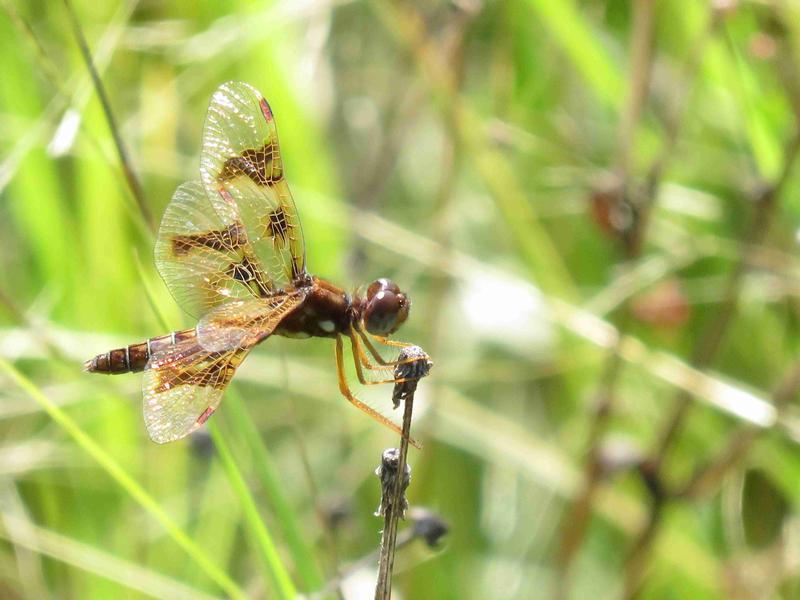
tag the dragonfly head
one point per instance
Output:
(385, 307)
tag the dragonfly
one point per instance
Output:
(230, 248)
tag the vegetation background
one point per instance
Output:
(594, 209)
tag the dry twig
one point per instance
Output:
(426, 526)
(394, 472)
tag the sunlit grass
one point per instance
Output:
(454, 147)
(121, 477)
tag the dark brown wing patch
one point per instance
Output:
(249, 273)
(213, 371)
(262, 165)
(183, 386)
(241, 168)
(276, 226)
(224, 240)
(198, 242)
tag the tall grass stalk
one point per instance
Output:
(257, 530)
(305, 562)
(130, 485)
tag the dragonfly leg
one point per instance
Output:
(395, 343)
(345, 391)
(377, 355)
(361, 356)
(361, 360)
(372, 349)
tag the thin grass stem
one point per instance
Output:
(130, 485)
(127, 166)
(305, 561)
(267, 551)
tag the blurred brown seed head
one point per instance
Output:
(665, 305)
(763, 46)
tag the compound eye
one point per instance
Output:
(382, 312)
(382, 284)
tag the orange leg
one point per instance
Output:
(387, 342)
(358, 351)
(377, 355)
(361, 360)
(345, 390)
(372, 349)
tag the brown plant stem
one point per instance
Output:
(707, 476)
(393, 510)
(427, 526)
(576, 519)
(394, 472)
(641, 71)
(705, 350)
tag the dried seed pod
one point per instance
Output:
(414, 365)
(387, 473)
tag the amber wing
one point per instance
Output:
(241, 164)
(245, 323)
(183, 384)
(203, 252)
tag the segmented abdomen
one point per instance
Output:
(134, 358)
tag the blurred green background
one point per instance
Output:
(593, 207)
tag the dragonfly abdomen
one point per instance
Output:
(135, 357)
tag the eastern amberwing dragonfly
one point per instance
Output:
(230, 249)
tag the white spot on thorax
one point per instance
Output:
(327, 326)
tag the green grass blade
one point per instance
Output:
(261, 537)
(305, 562)
(150, 293)
(574, 34)
(92, 560)
(130, 485)
(765, 145)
